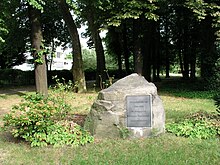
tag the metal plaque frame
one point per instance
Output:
(139, 110)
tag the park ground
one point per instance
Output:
(179, 101)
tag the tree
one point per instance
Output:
(78, 73)
(136, 11)
(54, 30)
(91, 13)
(3, 28)
(38, 51)
(12, 48)
(114, 44)
(208, 14)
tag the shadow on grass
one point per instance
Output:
(7, 137)
(20, 91)
(173, 86)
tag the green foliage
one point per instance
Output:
(130, 10)
(89, 60)
(11, 24)
(217, 103)
(42, 121)
(199, 125)
(14, 77)
(3, 30)
(108, 82)
(124, 132)
(38, 4)
(213, 81)
(38, 58)
(202, 8)
(61, 88)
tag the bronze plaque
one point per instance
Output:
(139, 111)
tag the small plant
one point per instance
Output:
(217, 103)
(199, 125)
(124, 132)
(42, 121)
(108, 83)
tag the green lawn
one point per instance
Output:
(165, 150)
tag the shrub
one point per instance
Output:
(217, 103)
(214, 80)
(42, 121)
(199, 125)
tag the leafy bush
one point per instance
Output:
(217, 103)
(42, 121)
(214, 80)
(199, 125)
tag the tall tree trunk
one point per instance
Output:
(166, 49)
(2, 62)
(208, 54)
(101, 69)
(193, 59)
(146, 50)
(78, 73)
(186, 53)
(179, 51)
(119, 64)
(157, 52)
(36, 43)
(138, 58)
(115, 46)
(51, 58)
(125, 49)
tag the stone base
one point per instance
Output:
(108, 114)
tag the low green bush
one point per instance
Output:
(199, 125)
(42, 121)
(217, 103)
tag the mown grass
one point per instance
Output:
(165, 150)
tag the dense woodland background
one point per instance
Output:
(148, 37)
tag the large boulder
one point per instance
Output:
(108, 115)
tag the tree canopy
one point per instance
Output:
(147, 37)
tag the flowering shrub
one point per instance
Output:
(42, 121)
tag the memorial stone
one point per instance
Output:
(130, 103)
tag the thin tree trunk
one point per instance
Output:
(193, 59)
(2, 62)
(51, 58)
(125, 49)
(179, 47)
(155, 50)
(78, 73)
(36, 43)
(166, 49)
(186, 54)
(159, 54)
(101, 69)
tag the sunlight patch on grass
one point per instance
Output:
(178, 107)
(81, 102)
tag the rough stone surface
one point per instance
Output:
(108, 113)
